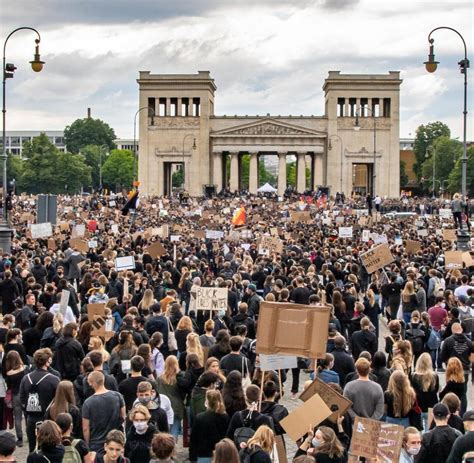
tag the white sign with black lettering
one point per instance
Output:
(345, 232)
(277, 362)
(211, 298)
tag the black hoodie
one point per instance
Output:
(277, 412)
(68, 357)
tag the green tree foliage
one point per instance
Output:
(425, 136)
(455, 175)
(291, 174)
(15, 169)
(264, 176)
(93, 156)
(177, 179)
(88, 131)
(445, 153)
(117, 171)
(47, 170)
(403, 174)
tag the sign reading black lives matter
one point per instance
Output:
(377, 258)
(211, 298)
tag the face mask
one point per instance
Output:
(315, 442)
(221, 313)
(140, 426)
(144, 400)
(413, 450)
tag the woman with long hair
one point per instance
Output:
(65, 402)
(409, 301)
(225, 452)
(167, 384)
(340, 311)
(425, 382)
(157, 359)
(147, 301)
(15, 370)
(372, 309)
(233, 394)
(96, 343)
(399, 399)
(325, 445)
(184, 288)
(213, 365)
(395, 330)
(455, 382)
(84, 334)
(259, 446)
(208, 428)
(53, 333)
(193, 346)
(122, 354)
(324, 369)
(184, 327)
(402, 356)
(49, 446)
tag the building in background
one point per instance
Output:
(16, 139)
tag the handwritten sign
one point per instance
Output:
(345, 232)
(365, 235)
(277, 362)
(211, 298)
(214, 234)
(453, 259)
(269, 245)
(377, 258)
(125, 263)
(41, 230)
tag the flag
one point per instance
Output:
(239, 218)
(131, 203)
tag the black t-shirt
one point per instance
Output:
(300, 295)
(128, 388)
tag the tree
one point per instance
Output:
(47, 170)
(425, 136)
(455, 175)
(403, 174)
(264, 176)
(177, 179)
(291, 174)
(88, 131)
(93, 158)
(117, 171)
(445, 153)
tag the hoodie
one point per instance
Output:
(277, 412)
(68, 357)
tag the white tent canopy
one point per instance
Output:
(267, 188)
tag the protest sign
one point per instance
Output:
(125, 263)
(155, 250)
(292, 329)
(79, 245)
(114, 228)
(52, 244)
(214, 234)
(379, 238)
(200, 234)
(398, 241)
(376, 258)
(453, 259)
(92, 244)
(365, 235)
(41, 230)
(412, 247)
(277, 362)
(99, 322)
(467, 259)
(211, 298)
(64, 301)
(175, 238)
(337, 403)
(125, 288)
(300, 216)
(310, 413)
(78, 230)
(423, 232)
(363, 221)
(345, 232)
(449, 234)
(339, 220)
(269, 245)
(376, 440)
(445, 213)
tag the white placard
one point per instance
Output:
(360, 212)
(214, 234)
(41, 230)
(92, 244)
(114, 228)
(365, 235)
(211, 298)
(79, 230)
(398, 241)
(63, 303)
(445, 213)
(124, 263)
(345, 232)
(245, 246)
(112, 203)
(422, 233)
(175, 238)
(379, 239)
(277, 362)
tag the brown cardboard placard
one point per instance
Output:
(330, 397)
(300, 216)
(52, 244)
(199, 234)
(453, 259)
(467, 259)
(109, 254)
(449, 234)
(412, 247)
(377, 258)
(281, 449)
(293, 329)
(375, 439)
(270, 244)
(79, 244)
(155, 250)
(310, 413)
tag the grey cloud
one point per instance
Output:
(338, 4)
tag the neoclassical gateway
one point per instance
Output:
(354, 144)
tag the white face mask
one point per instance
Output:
(413, 450)
(140, 426)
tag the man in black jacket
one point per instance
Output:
(458, 345)
(68, 353)
(37, 390)
(235, 360)
(363, 339)
(465, 443)
(242, 318)
(343, 362)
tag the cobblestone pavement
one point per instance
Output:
(289, 403)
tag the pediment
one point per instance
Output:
(267, 127)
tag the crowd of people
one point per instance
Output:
(166, 382)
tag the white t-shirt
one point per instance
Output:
(68, 318)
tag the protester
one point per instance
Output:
(49, 444)
(411, 445)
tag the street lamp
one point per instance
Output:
(194, 147)
(330, 147)
(8, 73)
(357, 128)
(100, 166)
(153, 114)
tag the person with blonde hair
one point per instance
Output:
(455, 382)
(409, 301)
(193, 346)
(147, 301)
(184, 327)
(139, 435)
(259, 446)
(208, 428)
(96, 344)
(402, 356)
(399, 399)
(425, 382)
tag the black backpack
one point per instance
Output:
(416, 336)
(245, 432)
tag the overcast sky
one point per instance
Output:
(266, 56)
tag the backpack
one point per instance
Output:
(33, 403)
(246, 455)
(416, 337)
(434, 340)
(71, 455)
(245, 432)
(113, 290)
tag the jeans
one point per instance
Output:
(31, 431)
(18, 415)
(406, 317)
(176, 428)
(204, 460)
(405, 422)
(424, 420)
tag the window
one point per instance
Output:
(162, 107)
(341, 103)
(185, 106)
(151, 106)
(386, 107)
(196, 106)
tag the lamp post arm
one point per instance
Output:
(135, 136)
(450, 29)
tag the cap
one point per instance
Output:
(468, 416)
(440, 411)
(252, 287)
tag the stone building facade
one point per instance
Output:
(356, 138)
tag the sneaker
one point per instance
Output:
(294, 395)
(19, 443)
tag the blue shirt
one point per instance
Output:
(328, 376)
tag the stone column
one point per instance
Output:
(281, 173)
(179, 107)
(168, 107)
(190, 107)
(234, 172)
(318, 170)
(217, 176)
(253, 173)
(301, 172)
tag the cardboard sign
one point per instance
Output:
(365, 235)
(211, 298)
(310, 413)
(277, 362)
(345, 232)
(125, 263)
(453, 259)
(78, 231)
(337, 403)
(292, 329)
(376, 258)
(339, 220)
(467, 259)
(412, 247)
(79, 245)
(100, 325)
(155, 250)
(422, 232)
(200, 234)
(41, 230)
(214, 234)
(269, 245)
(63, 303)
(300, 216)
(445, 213)
(376, 440)
(52, 244)
(449, 234)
